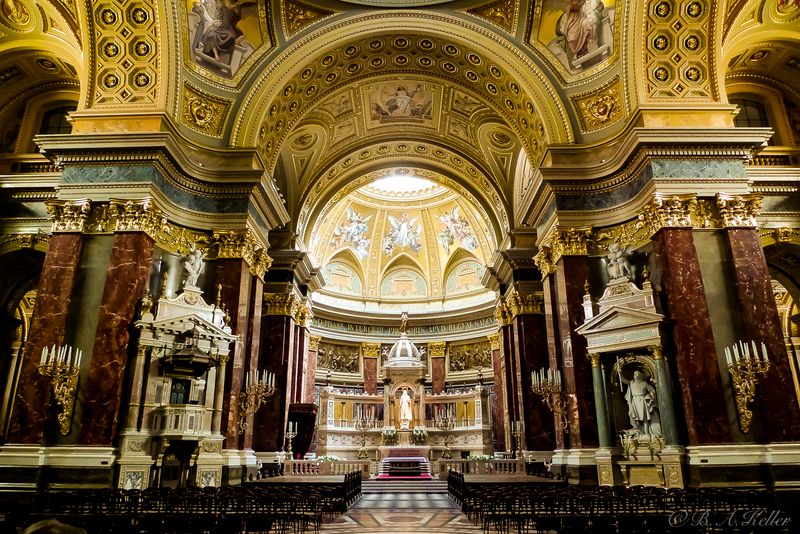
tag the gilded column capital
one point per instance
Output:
(69, 215)
(523, 304)
(594, 357)
(672, 211)
(544, 261)
(437, 349)
(562, 241)
(303, 314)
(739, 211)
(370, 349)
(137, 216)
(313, 342)
(281, 304)
(243, 244)
(656, 351)
(502, 314)
(494, 341)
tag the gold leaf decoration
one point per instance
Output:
(298, 15)
(204, 112)
(600, 108)
(502, 13)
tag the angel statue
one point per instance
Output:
(193, 266)
(617, 263)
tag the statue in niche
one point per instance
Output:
(193, 266)
(642, 405)
(617, 263)
(405, 409)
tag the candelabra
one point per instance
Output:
(446, 424)
(291, 432)
(256, 390)
(547, 384)
(745, 364)
(517, 431)
(61, 365)
(363, 424)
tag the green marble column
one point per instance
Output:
(600, 402)
(664, 392)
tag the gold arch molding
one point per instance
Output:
(335, 186)
(453, 50)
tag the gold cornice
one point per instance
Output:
(494, 341)
(739, 211)
(370, 349)
(69, 216)
(437, 349)
(39, 241)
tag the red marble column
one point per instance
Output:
(252, 361)
(48, 327)
(300, 358)
(530, 335)
(370, 374)
(761, 323)
(553, 340)
(438, 372)
(696, 355)
(499, 406)
(570, 276)
(126, 277)
(311, 369)
(236, 281)
(277, 342)
(513, 390)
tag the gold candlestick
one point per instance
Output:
(62, 366)
(547, 384)
(745, 364)
(256, 390)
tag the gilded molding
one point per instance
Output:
(204, 112)
(599, 108)
(739, 211)
(137, 216)
(656, 351)
(674, 211)
(69, 216)
(370, 349)
(502, 314)
(298, 15)
(494, 341)
(544, 261)
(18, 241)
(503, 13)
(562, 241)
(594, 358)
(313, 343)
(523, 304)
(437, 349)
(281, 304)
(303, 314)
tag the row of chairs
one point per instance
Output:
(548, 507)
(251, 508)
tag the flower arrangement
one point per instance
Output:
(419, 436)
(389, 436)
(481, 457)
(328, 458)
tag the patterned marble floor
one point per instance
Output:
(431, 513)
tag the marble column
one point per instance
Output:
(666, 406)
(277, 348)
(252, 360)
(137, 382)
(512, 387)
(311, 369)
(438, 351)
(530, 338)
(761, 323)
(553, 344)
(300, 359)
(126, 277)
(499, 416)
(370, 351)
(570, 276)
(234, 276)
(603, 423)
(48, 327)
(703, 399)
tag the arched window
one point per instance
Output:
(751, 113)
(55, 121)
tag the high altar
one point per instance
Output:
(404, 419)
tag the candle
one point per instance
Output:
(764, 352)
(44, 356)
(728, 359)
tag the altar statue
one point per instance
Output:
(405, 409)
(193, 266)
(642, 405)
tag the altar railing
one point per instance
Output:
(317, 467)
(459, 424)
(350, 424)
(513, 467)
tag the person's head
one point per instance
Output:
(638, 375)
(52, 526)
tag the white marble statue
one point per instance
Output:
(618, 265)
(405, 409)
(193, 266)
(642, 405)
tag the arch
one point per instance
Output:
(349, 274)
(260, 107)
(403, 277)
(463, 273)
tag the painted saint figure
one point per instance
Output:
(405, 409)
(217, 32)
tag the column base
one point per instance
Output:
(576, 466)
(774, 465)
(36, 467)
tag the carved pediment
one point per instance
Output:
(179, 325)
(619, 318)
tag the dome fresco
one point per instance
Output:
(403, 239)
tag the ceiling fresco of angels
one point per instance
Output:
(456, 230)
(405, 233)
(353, 233)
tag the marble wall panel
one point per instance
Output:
(277, 340)
(371, 375)
(438, 370)
(539, 422)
